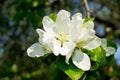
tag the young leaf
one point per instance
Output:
(73, 72)
(53, 16)
(88, 19)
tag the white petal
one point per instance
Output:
(47, 22)
(35, 50)
(67, 57)
(63, 14)
(96, 42)
(70, 52)
(110, 51)
(48, 25)
(67, 48)
(77, 17)
(81, 60)
(47, 40)
(56, 47)
(86, 35)
(62, 50)
(62, 22)
(104, 43)
(40, 33)
(75, 29)
(90, 24)
(50, 31)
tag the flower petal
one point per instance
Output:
(62, 22)
(67, 47)
(56, 47)
(85, 35)
(77, 17)
(104, 42)
(64, 15)
(70, 52)
(47, 40)
(81, 60)
(35, 50)
(75, 29)
(90, 24)
(47, 22)
(110, 51)
(40, 33)
(92, 44)
(67, 57)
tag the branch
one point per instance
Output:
(87, 8)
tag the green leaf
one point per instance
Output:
(53, 71)
(73, 72)
(97, 56)
(88, 19)
(111, 44)
(91, 78)
(53, 16)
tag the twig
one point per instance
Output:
(87, 8)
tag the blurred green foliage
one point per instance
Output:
(20, 18)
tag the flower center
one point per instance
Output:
(63, 38)
(84, 26)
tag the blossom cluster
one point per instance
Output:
(67, 36)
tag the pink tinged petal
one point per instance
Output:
(96, 42)
(81, 60)
(36, 50)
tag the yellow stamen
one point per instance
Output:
(63, 37)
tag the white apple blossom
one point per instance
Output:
(66, 37)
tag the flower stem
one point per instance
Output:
(87, 8)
